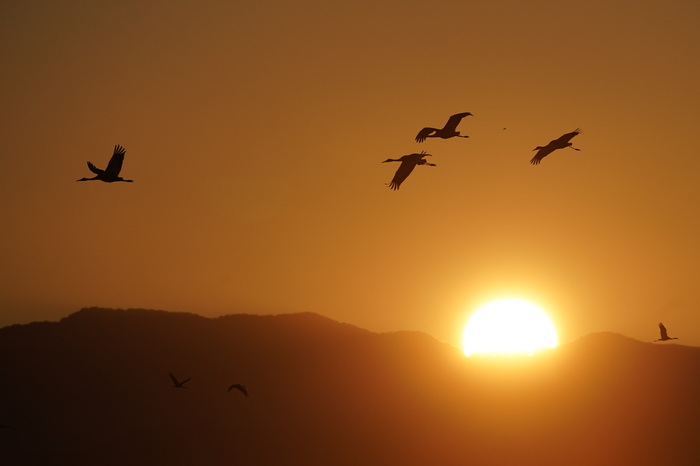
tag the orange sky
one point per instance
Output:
(254, 133)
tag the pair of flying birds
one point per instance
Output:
(410, 161)
(181, 384)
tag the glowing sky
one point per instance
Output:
(254, 132)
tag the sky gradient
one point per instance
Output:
(254, 133)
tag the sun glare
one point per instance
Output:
(508, 326)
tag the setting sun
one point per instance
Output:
(508, 326)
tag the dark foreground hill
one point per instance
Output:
(93, 389)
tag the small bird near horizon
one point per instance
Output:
(664, 334)
(559, 143)
(111, 173)
(178, 383)
(408, 163)
(240, 388)
(446, 132)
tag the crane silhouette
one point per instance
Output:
(447, 131)
(111, 173)
(408, 163)
(178, 383)
(239, 387)
(664, 334)
(559, 143)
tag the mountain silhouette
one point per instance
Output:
(93, 389)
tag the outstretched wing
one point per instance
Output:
(541, 153)
(94, 169)
(175, 381)
(662, 330)
(239, 387)
(402, 173)
(564, 139)
(424, 133)
(115, 163)
(454, 120)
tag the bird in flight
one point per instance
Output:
(178, 383)
(239, 387)
(664, 334)
(408, 163)
(559, 143)
(111, 173)
(447, 131)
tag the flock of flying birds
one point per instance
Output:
(410, 161)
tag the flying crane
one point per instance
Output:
(408, 163)
(559, 143)
(111, 173)
(447, 131)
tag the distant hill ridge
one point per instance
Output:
(93, 388)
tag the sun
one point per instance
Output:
(508, 326)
